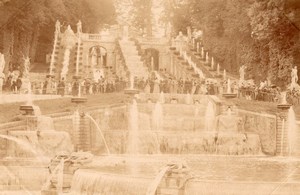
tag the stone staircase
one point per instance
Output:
(133, 59)
(72, 66)
(56, 52)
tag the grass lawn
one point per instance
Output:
(261, 107)
(11, 112)
(255, 106)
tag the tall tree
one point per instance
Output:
(26, 24)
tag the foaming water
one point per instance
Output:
(29, 95)
(155, 183)
(52, 60)
(292, 130)
(282, 136)
(91, 182)
(58, 175)
(206, 58)
(133, 129)
(12, 176)
(210, 117)
(188, 99)
(283, 100)
(101, 133)
(157, 117)
(66, 61)
(161, 98)
(212, 63)
(76, 120)
(228, 86)
(26, 146)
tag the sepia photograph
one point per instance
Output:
(149, 97)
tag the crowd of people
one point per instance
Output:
(13, 82)
(153, 84)
(150, 85)
(86, 86)
(263, 92)
(180, 86)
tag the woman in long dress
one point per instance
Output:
(147, 87)
(171, 85)
(194, 86)
(156, 86)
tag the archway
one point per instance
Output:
(98, 62)
(97, 57)
(152, 59)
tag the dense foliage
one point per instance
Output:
(261, 34)
(28, 26)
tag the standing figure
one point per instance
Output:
(94, 55)
(2, 76)
(294, 75)
(79, 27)
(156, 88)
(57, 26)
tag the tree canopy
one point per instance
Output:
(261, 34)
(28, 26)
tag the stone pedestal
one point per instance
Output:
(31, 123)
(84, 134)
(282, 147)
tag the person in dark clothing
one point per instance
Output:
(19, 84)
(61, 87)
(45, 87)
(75, 88)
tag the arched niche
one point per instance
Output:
(152, 59)
(97, 57)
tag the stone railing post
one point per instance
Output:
(282, 129)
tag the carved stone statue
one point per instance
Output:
(181, 42)
(79, 27)
(2, 62)
(294, 75)
(2, 76)
(57, 26)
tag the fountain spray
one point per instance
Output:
(52, 61)
(206, 58)
(228, 86)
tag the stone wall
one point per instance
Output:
(262, 124)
